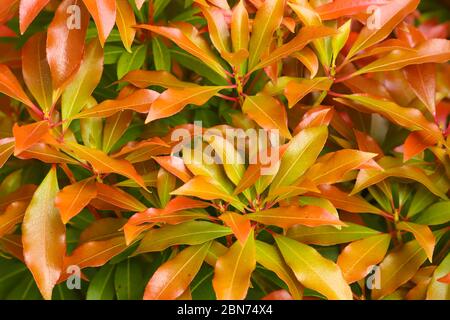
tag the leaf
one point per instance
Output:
(339, 8)
(177, 36)
(267, 20)
(125, 21)
(118, 197)
(302, 38)
(423, 235)
(217, 28)
(190, 233)
(430, 51)
(165, 183)
(338, 41)
(238, 223)
(422, 80)
(173, 100)
(233, 270)
(268, 112)
(416, 142)
(437, 213)
(240, 33)
(95, 253)
(344, 201)
(269, 257)
(65, 47)
(10, 86)
(6, 150)
(73, 198)
(313, 270)
(300, 154)
(28, 11)
(128, 280)
(173, 277)
(104, 14)
(438, 290)
(309, 59)
(130, 61)
(357, 257)
(286, 217)
(409, 118)
(161, 55)
(104, 164)
(388, 17)
(175, 166)
(145, 78)
(296, 90)
(44, 250)
(114, 129)
(138, 101)
(101, 286)
(12, 216)
(82, 85)
(330, 235)
(332, 167)
(399, 267)
(202, 188)
(36, 71)
(28, 135)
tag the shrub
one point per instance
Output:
(224, 149)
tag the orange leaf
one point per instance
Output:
(146, 78)
(315, 117)
(268, 112)
(286, 217)
(233, 270)
(95, 253)
(278, 295)
(357, 257)
(6, 150)
(423, 235)
(125, 21)
(173, 100)
(118, 198)
(28, 10)
(104, 14)
(185, 43)
(389, 16)
(238, 223)
(422, 79)
(173, 277)
(46, 153)
(73, 198)
(416, 142)
(139, 101)
(65, 46)
(175, 166)
(339, 8)
(309, 60)
(36, 71)
(11, 217)
(10, 86)
(296, 90)
(28, 135)
(102, 163)
(43, 236)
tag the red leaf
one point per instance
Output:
(29, 9)
(416, 142)
(104, 14)
(65, 46)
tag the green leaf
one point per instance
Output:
(129, 280)
(437, 213)
(192, 233)
(161, 55)
(330, 235)
(131, 61)
(301, 153)
(101, 287)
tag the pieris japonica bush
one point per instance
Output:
(213, 149)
